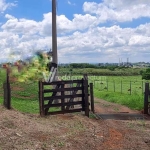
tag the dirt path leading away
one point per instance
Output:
(102, 106)
(20, 131)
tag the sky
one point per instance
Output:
(88, 31)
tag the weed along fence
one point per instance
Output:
(74, 98)
(147, 99)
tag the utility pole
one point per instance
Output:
(54, 37)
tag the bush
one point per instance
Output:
(146, 74)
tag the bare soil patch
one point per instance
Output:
(72, 131)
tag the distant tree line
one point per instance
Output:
(87, 65)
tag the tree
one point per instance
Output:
(146, 74)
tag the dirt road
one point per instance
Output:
(20, 131)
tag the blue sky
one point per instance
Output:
(88, 30)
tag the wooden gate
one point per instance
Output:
(76, 101)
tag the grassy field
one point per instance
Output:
(120, 84)
(125, 90)
(24, 95)
(112, 88)
(133, 101)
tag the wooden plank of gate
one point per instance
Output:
(65, 104)
(50, 101)
(73, 96)
(62, 89)
(62, 96)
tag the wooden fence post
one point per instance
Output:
(92, 97)
(86, 97)
(41, 99)
(62, 99)
(7, 92)
(146, 95)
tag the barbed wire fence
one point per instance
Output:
(123, 87)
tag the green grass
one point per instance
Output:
(26, 99)
(130, 95)
(120, 84)
(135, 102)
(26, 106)
(1, 100)
(24, 95)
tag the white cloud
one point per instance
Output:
(64, 25)
(9, 16)
(4, 5)
(20, 26)
(139, 40)
(121, 11)
(81, 39)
